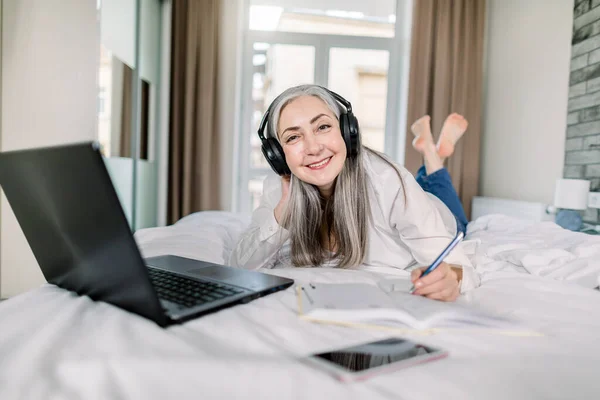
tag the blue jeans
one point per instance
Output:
(439, 184)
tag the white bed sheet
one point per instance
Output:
(55, 345)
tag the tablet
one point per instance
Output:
(372, 358)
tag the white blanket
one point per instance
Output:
(543, 249)
(55, 345)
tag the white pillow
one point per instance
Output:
(208, 235)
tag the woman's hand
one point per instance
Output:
(285, 191)
(441, 284)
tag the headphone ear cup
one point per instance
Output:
(349, 128)
(344, 129)
(275, 156)
(353, 135)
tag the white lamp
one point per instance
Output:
(570, 195)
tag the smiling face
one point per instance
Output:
(310, 136)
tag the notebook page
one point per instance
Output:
(435, 313)
(422, 308)
(369, 304)
(352, 296)
(351, 303)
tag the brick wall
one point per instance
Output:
(582, 150)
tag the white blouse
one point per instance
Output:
(401, 235)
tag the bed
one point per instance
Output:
(55, 345)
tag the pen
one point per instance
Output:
(459, 236)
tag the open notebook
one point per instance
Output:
(365, 304)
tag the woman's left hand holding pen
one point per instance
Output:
(443, 283)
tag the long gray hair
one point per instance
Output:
(344, 216)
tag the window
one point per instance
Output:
(372, 94)
(349, 46)
(360, 75)
(375, 18)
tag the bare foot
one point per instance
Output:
(422, 131)
(454, 127)
(423, 143)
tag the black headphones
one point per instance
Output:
(273, 151)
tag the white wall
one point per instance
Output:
(49, 94)
(526, 93)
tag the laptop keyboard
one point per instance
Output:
(188, 292)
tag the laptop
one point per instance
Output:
(69, 211)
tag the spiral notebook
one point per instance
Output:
(369, 306)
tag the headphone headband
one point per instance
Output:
(263, 124)
(342, 100)
(273, 151)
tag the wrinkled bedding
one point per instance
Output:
(542, 249)
(55, 345)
